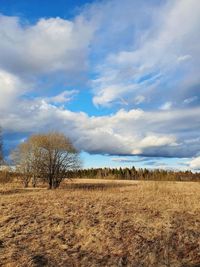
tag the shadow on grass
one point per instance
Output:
(67, 186)
(39, 260)
(19, 191)
(94, 186)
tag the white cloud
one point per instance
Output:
(166, 106)
(157, 141)
(195, 163)
(184, 58)
(62, 98)
(143, 52)
(36, 57)
(190, 100)
(139, 99)
(10, 87)
(106, 96)
(50, 45)
(131, 159)
(123, 160)
(155, 133)
(165, 51)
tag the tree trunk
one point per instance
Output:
(56, 184)
(34, 181)
(50, 182)
(26, 182)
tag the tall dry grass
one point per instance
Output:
(101, 223)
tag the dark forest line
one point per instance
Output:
(134, 174)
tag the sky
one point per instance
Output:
(119, 78)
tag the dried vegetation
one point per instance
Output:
(101, 223)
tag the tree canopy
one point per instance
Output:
(46, 156)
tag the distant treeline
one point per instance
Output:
(115, 174)
(134, 174)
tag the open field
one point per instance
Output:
(101, 223)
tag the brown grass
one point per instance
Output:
(101, 223)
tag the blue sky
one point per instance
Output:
(120, 78)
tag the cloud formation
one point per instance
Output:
(10, 87)
(50, 45)
(195, 163)
(123, 133)
(163, 59)
(139, 60)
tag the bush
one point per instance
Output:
(5, 177)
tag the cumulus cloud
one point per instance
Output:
(195, 163)
(157, 141)
(50, 45)
(10, 87)
(51, 54)
(123, 133)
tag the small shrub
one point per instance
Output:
(5, 177)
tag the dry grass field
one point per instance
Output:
(101, 223)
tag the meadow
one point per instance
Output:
(101, 223)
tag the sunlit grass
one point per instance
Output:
(101, 223)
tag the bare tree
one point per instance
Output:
(22, 157)
(47, 156)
